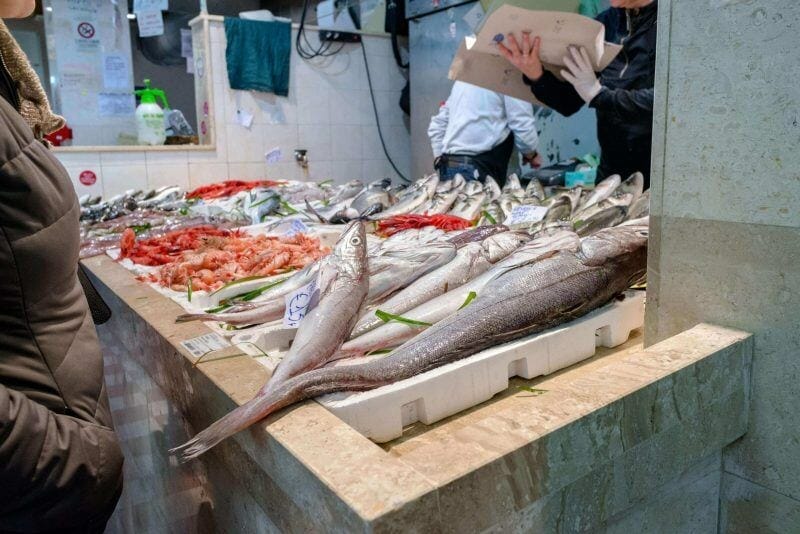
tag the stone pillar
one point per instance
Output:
(725, 239)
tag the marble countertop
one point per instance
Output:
(476, 470)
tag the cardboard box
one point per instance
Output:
(479, 62)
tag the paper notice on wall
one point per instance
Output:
(274, 155)
(151, 23)
(299, 303)
(186, 43)
(115, 72)
(245, 118)
(116, 104)
(190, 65)
(150, 5)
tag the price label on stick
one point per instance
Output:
(299, 303)
(526, 215)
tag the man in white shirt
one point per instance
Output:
(475, 131)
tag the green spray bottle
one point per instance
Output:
(150, 116)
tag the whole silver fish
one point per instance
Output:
(393, 334)
(523, 301)
(606, 218)
(492, 189)
(347, 191)
(535, 190)
(470, 200)
(559, 210)
(602, 191)
(375, 194)
(470, 261)
(395, 269)
(479, 233)
(640, 207)
(513, 187)
(412, 197)
(446, 194)
(634, 186)
(343, 286)
(167, 195)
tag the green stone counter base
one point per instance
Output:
(608, 443)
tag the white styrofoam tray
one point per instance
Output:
(381, 414)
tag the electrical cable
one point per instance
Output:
(310, 51)
(377, 118)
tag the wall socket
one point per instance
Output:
(340, 36)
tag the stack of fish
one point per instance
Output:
(490, 287)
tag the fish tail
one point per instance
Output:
(307, 385)
(242, 417)
(188, 317)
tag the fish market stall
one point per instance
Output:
(504, 382)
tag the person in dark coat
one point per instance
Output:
(60, 460)
(622, 95)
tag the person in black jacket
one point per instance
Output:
(622, 95)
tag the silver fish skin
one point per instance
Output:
(606, 218)
(559, 210)
(317, 338)
(640, 207)
(602, 191)
(375, 193)
(499, 246)
(526, 300)
(412, 197)
(446, 194)
(513, 187)
(470, 201)
(393, 334)
(396, 269)
(634, 185)
(492, 189)
(535, 190)
(479, 233)
(492, 214)
(470, 261)
(347, 191)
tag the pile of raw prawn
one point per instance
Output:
(222, 259)
(167, 248)
(228, 188)
(398, 223)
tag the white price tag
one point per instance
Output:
(204, 344)
(526, 215)
(299, 303)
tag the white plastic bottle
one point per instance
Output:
(150, 116)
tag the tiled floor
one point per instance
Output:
(157, 497)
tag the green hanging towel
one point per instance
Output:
(258, 55)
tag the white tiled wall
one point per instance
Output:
(328, 112)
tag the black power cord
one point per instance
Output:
(305, 49)
(377, 118)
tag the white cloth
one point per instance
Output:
(475, 120)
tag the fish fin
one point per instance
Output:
(510, 268)
(314, 212)
(188, 317)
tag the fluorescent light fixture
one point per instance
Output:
(131, 16)
(49, 8)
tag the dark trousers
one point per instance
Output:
(492, 163)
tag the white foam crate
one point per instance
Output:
(381, 414)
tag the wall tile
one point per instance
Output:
(122, 158)
(164, 174)
(168, 158)
(245, 145)
(350, 107)
(284, 171)
(119, 178)
(77, 159)
(313, 104)
(247, 171)
(389, 111)
(320, 170)
(317, 140)
(344, 171)
(283, 136)
(346, 143)
(206, 173)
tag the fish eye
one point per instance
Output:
(356, 240)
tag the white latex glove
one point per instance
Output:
(580, 74)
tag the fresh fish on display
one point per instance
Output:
(499, 246)
(347, 191)
(372, 199)
(470, 201)
(470, 261)
(640, 207)
(535, 190)
(634, 186)
(395, 269)
(166, 195)
(343, 286)
(412, 197)
(602, 191)
(599, 220)
(445, 196)
(513, 187)
(543, 229)
(559, 210)
(479, 233)
(259, 204)
(394, 333)
(491, 214)
(492, 189)
(525, 300)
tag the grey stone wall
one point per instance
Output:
(725, 244)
